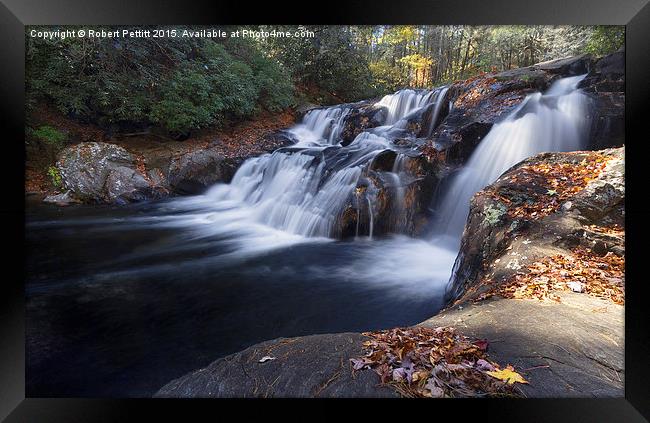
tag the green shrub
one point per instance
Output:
(55, 176)
(274, 85)
(186, 102)
(49, 135)
(177, 84)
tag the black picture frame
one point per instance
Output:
(15, 14)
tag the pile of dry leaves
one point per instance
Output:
(425, 362)
(539, 189)
(582, 271)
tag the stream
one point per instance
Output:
(121, 300)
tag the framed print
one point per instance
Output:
(409, 202)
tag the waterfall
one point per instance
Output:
(397, 177)
(404, 102)
(554, 121)
(322, 126)
(438, 101)
(304, 189)
(372, 224)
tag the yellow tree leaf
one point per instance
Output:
(508, 374)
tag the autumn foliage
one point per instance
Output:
(582, 271)
(440, 362)
(546, 186)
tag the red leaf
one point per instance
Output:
(482, 344)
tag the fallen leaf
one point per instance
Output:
(484, 365)
(508, 375)
(482, 344)
(356, 363)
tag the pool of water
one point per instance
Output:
(121, 300)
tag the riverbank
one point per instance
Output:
(571, 349)
(209, 156)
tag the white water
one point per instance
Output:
(304, 189)
(296, 194)
(403, 103)
(554, 121)
(321, 126)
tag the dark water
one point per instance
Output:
(118, 303)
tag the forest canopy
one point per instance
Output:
(181, 84)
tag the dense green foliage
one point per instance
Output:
(183, 84)
(605, 39)
(177, 84)
(48, 135)
(353, 62)
(331, 61)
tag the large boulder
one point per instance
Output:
(194, 171)
(104, 173)
(568, 66)
(550, 204)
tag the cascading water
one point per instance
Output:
(399, 176)
(303, 189)
(322, 126)
(439, 101)
(403, 103)
(554, 121)
(206, 267)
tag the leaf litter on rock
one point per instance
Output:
(581, 271)
(434, 363)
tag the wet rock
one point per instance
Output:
(392, 197)
(523, 78)
(104, 173)
(605, 84)
(360, 119)
(63, 199)
(274, 140)
(193, 172)
(384, 161)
